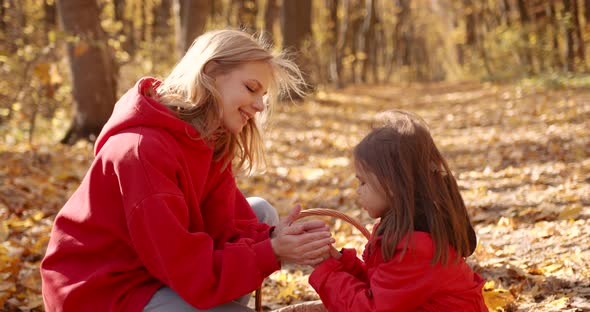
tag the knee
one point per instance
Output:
(265, 212)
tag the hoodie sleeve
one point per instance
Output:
(394, 285)
(162, 228)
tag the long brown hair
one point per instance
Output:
(417, 182)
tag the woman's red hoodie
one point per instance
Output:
(154, 209)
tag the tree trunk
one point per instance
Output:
(270, 17)
(335, 65)
(191, 20)
(556, 55)
(569, 35)
(296, 29)
(525, 22)
(95, 93)
(128, 28)
(578, 32)
(2, 17)
(401, 35)
(507, 12)
(247, 12)
(49, 18)
(368, 39)
(162, 14)
(143, 20)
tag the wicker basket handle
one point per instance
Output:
(336, 214)
(318, 212)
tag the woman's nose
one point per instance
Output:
(259, 104)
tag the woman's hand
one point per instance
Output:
(334, 253)
(302, 243)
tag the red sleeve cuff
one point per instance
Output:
(321, 272)
(348, 258)
(267, 261)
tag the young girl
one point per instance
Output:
(414, 260)
(158, 223)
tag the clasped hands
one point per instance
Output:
(308, 242)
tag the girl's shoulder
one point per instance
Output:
(417, 243)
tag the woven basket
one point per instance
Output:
(314, 306)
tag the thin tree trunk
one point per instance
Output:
(247, 12)
(143, 20)
(368, 39)
(578, 32)
(270, 17)
(162, 14)
(525, 22)
(556, 55)
(333, 32)
(569, 32)
(2, 16)
(95, 94)
(190, 22)
(296, 29)
(50, 17)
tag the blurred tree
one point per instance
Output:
(162, 14)
(127, 30)
(368, 42)
(556, 56)
(525, 22)
(190, 22)
(348, 39)
(93, 70)
(570, 28)
(296, 30)
(2, 16)
(270, 17)
(333, 31)
(247, 12)
(578, 32)
(49, 17)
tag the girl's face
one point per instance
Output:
(371, 195)
(242, 91)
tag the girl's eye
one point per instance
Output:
(250, 88)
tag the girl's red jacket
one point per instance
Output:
(408, 283)
(154, 209)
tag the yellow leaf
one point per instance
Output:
(497, 299)
(3, 231)
(553, 267)
(570, 212)
(41, 71)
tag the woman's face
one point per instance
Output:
(370, 195)
(242, 92)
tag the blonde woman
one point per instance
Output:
(158, 223)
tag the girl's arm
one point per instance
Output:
(394, 286)
(352, 264)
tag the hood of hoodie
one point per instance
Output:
(135, 108)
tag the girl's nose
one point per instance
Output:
(259, 104)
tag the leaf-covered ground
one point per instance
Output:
(521, 155)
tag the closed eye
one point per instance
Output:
(250, 89)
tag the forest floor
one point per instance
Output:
(521, 156)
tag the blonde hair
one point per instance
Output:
(190, 92)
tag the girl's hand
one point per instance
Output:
(303, 242)
(332, 253)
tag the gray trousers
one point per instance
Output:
(167, 300)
